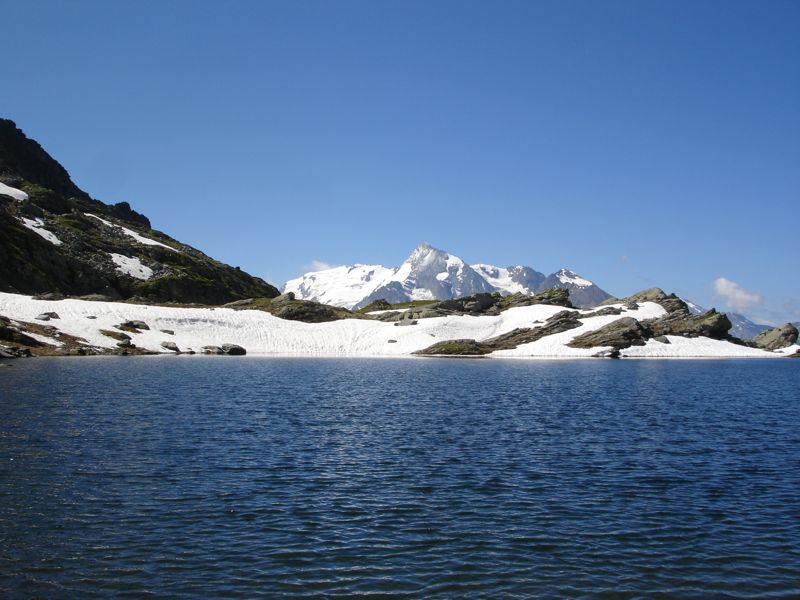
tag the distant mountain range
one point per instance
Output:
(432, 274)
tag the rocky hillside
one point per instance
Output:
(433, 274)
(55, 238)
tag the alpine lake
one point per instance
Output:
(223, 477)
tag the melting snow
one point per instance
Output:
(16, 194)
(131, 266)
(130, 233)
(262, 333)
(37, 226)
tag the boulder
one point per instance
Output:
(96, 298)
(14, 352)
(117, 335)
(46, 316)
(776, 338)
(390, 317)
(241, 303)
(170, 346)
(379, 304)
(670, 302)
(49, 296)
(603, 312)
(406, 322)
(427, 313)
(233, 350)
(167, 331)
(12, 334)
(287, 297)
(211, 350)
(619, 334)
(711, 324)
(455, 348)
(133, 326)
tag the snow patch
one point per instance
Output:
(130, 233)
(37, 226)
(131, 266)
(7, 190)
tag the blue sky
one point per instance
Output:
(639, 143)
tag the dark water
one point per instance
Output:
(224, 477)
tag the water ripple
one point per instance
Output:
(205, 477)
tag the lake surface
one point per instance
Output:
(255, 477)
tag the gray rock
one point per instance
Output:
(406, 322)
(124, 344)
(712, 324)
(91, 317)
(427, 313)
(14, 352)
(170, 346)
(133, 326)
(777, 338)
(663, 339)
(49, 296)
(390, 317)
(622, 333)
(287, 297)
(47, 316)
(465, 347)
(603, 312)
(167, 331)
(211, 350)
(96, 298)
(670, 302)
(392, 341)
(240, 303)
(233, 350)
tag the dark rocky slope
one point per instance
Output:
(82, 263)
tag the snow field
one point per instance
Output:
(262, 333)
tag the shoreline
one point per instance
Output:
(97, 327)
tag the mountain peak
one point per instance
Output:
(433, 274)
(23, 158)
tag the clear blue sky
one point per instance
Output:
(639, 143)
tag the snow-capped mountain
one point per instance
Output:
(427, 274)
(432, 274)
(741, 327)
(512, 279)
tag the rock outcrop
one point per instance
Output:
(456, 348)
(777, 338)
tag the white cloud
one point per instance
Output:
(736, 297)
(318, 265)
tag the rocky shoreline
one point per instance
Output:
(657, 323)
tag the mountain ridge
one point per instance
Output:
(55, 238)
(432, 274)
